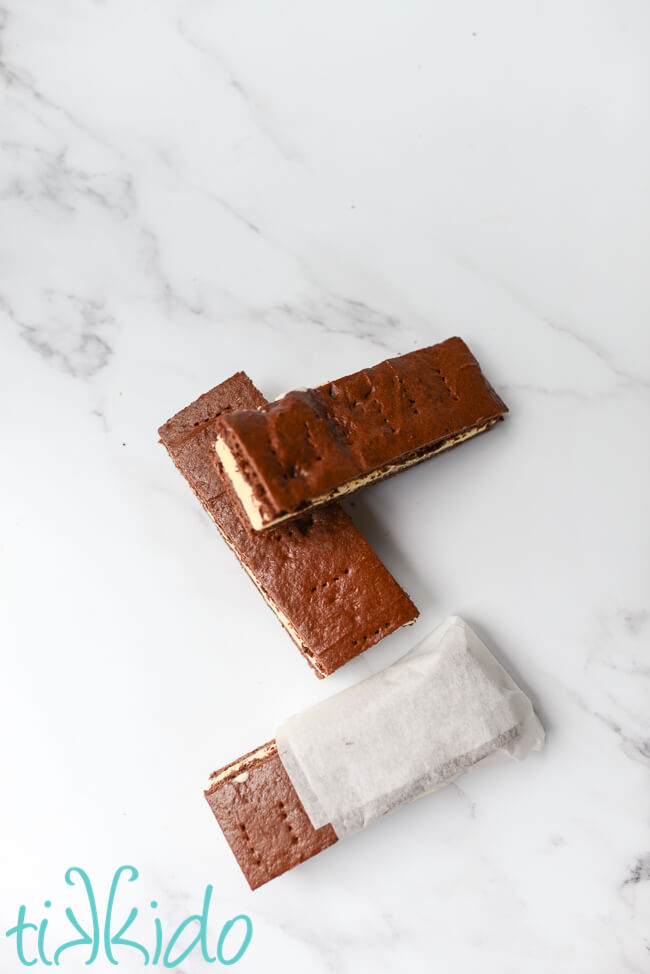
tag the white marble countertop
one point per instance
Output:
(299, 190)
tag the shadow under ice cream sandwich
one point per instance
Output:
(314, 445)
(446, 708)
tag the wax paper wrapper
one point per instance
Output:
(445, 708)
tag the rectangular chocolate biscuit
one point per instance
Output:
(262, 817)
(312, 446)
(319, 575)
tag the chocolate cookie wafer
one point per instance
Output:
(262, 817)
(319, 575)
(312, 446)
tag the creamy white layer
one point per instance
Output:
(243, 489)
(263, 752)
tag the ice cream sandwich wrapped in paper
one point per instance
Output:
(445, 708)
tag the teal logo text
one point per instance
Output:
(106, 937)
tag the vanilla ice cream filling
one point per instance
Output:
(243, 489)
(253, 506)
(238, 766)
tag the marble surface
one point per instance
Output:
(190, 188)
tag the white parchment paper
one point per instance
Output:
(446, 707)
